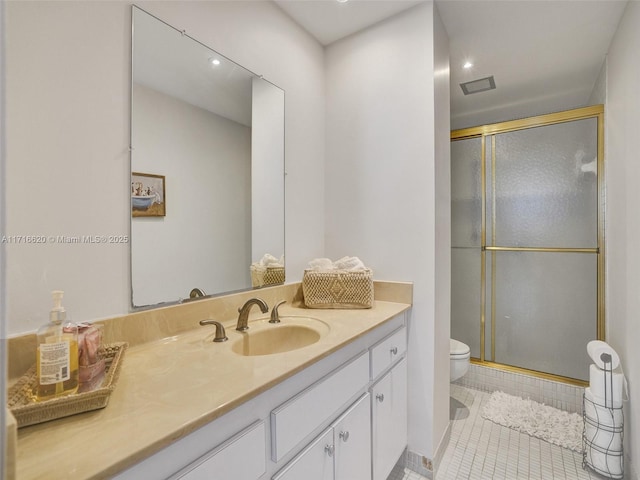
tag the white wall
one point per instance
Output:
(381, 180)
(67, 157)
(267, 170)
(4, 411)
(599, 92)
(68, 74)
(442, 250)
(204, 240)
(622, 169)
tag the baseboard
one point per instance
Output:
(442, 448)
(630, 471)
(419, 464)
(422, 465)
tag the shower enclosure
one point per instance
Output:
(527, 280)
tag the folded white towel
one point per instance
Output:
(321, 264)
(351, 264)
(269, 260)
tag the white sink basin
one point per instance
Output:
(292, 333)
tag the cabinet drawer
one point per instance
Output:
(300, 416)
(243, 456)
(388, 351)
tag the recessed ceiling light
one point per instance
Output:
(214, 61)
(467, 64)
(342, 1)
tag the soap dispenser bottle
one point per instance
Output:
(57, 353)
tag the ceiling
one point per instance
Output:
(545, 55)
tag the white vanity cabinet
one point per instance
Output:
(342, 452)
(241, 457)
(389, 405)
(341, 418)
(367, 440)
(300, 416)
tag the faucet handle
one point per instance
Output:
(275, 316)
(221, 335)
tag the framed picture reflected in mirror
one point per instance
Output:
(148, 195)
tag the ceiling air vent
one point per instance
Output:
(477, 86)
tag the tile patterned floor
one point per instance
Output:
(399, 473)
(480, 449)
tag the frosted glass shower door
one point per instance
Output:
(545, 311)
(546, 186)
(466, 241)
(545, 233)
(527, 238)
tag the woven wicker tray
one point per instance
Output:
(27, 411)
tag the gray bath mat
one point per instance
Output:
(536, 419)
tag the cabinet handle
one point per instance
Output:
(344, 436)
(394, 350)
(380, 397)
(329, 449)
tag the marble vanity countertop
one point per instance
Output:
(170, 387)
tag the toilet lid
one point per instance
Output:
(458, 348)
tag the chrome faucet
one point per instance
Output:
(196, 292)
(243, 317)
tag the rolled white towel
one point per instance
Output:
(603, 438)
(595, 410)
(269, 260)
(350, 264)
(610, 464)
(321, 264)
(601, 383)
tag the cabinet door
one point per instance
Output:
(314, 463)
(352, 437)
(389, 407)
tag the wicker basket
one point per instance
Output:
(262, 276)
(27, 411)
(338, 289)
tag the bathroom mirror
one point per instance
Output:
(207, 163)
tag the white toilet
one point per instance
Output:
(459, 354)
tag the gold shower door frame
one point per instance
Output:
(487, 133)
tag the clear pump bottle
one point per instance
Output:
(57, 353)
